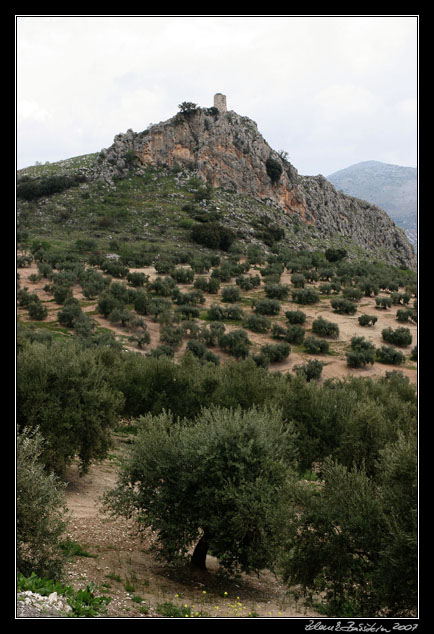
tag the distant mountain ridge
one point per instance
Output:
(391, 187)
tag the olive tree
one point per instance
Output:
(216, 483)
(355, 537)
(63, 390)
(41, 514)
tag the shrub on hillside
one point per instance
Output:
(399, 337)
(390, 355)
(41, 513)
(236, 343)
(367, 320)
(383, 302)
(324, 328)
(343, 306)
(231, 294)
(305, 296)
(295, 334)
(248, 282)
(258, 323)
(277, 291)
(310, 370)
(362, 352)
(276, 352)
(267, 306)
(274, 169)
(37, 310)
(213, 236)
(295, 316)
(352, 293)
(314, 345)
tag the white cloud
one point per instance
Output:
(319, 87)
(31, 111)
(342, 101)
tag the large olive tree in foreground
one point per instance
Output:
(213, 485)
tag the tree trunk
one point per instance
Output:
(198, 558)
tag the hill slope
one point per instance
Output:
(202, 165)
(391, 187)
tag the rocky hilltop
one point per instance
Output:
(228, 152)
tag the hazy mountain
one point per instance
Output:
(391, 187)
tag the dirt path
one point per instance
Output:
(123, 569)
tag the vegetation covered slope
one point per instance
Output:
(157, 298)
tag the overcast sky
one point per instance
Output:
(329, 90)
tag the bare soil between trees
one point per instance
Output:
(335, 363)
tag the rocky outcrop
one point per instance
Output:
(228, 152)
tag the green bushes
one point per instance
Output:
(248, 282)
(277, 291)
(295, 316)
(274, 169)
(217, 312)
(383, 302)
(294, 334)
(399, 337)
(258, 323)
(310, 370)
(324, 328)
(314, 345)
(41, 514)
(367, 320)
(208, 286)
(276, 352)
(362, 352)
(390, 355)
(236, 343)
(29, 189)
(358, 544)
(231, 294)
(63, 391)
(213, 236)
(267, 306)
(305, 296)
(343, 306)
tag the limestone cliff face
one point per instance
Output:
(228, 151)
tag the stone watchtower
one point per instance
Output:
(220, 102)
